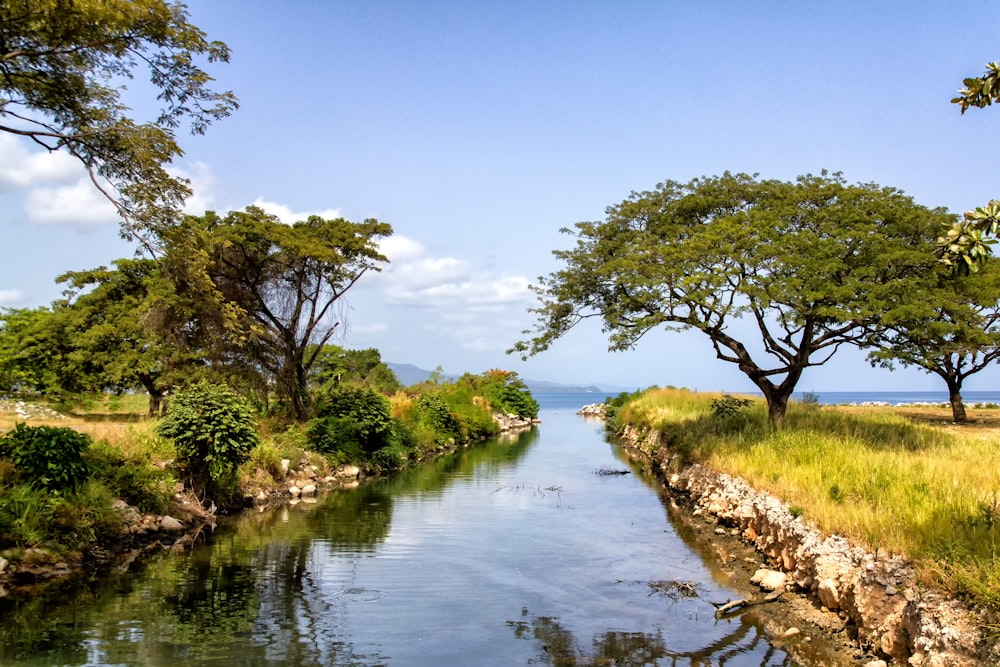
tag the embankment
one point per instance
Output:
(877, 595)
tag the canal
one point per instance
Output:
(531, 549)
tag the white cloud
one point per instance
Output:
(10, 296)
(202, 183)
(368, 328)
(287, 216)
(22, 168)
(400, 248)
(79, 205)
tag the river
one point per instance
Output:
(511, 552)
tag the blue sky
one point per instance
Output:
(477, 130)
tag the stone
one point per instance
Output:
(769, 580)
(348, 471)
(829, 594)
(789, 633)
(309, 490)
(3, 564)
(876, 663)
(294, 491)
(171, 524)
(284, 465)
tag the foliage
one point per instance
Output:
(729, 407)
(953, 331)
(65, 67)
(336, 365)
(965, 247)
(48, 457)
(265, 294)
(137, 482)
(435, 413)
(352, 422)
(507, 393)
(812, 264)
(214, 431)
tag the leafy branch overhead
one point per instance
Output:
(966, 245)
(64, 66)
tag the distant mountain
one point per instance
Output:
(408, 374)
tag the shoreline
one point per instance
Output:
(875, 596)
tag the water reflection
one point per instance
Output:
(558, 647)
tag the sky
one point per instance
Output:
(478, 130)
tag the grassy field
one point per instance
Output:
(903, 479)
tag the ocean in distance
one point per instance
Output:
(576, 400)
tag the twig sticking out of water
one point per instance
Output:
(607, 472)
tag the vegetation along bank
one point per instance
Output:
(98, 482)
(884, 517)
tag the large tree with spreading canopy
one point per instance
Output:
(811, 264)
(64, 66)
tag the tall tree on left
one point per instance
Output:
(63, 67)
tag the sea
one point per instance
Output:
(576, 400)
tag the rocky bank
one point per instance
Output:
(876, 595)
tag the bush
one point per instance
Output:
(435, 413)
(353, 423)
(214, 431)
(137, 482)
(730, 408)
(48, 457)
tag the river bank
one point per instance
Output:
(874, 598)
(25, 572)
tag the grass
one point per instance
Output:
(902, 479)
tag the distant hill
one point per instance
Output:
(409, 374)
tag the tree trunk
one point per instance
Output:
(957, 404)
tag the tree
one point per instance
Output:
(271, 290)
(34, 352)
(812, 264)
(363, 368)
(108, 313)
(966, 245)
(953, 331)
(63, 67)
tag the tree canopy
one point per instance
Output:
(811, 263)
(64, 65)
(266, 294)
(952, 329)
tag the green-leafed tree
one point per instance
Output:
(270, 292)
(966, 245)
(952, 330)
(65, 64)
(811, 265)
(108, 312)
(34, 352)
(364, 368)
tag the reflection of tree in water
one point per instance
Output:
(352, 520)
(559, 648)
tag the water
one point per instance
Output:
(512, 552)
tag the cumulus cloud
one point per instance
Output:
(202, 183)
(79, 205)
(22, 168)
(11, 296)
(400, 248)
(288, 216)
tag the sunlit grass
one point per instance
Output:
(881, 478)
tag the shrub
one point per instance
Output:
(730, 408)
(434, 412)
(214, 431)
(48, 457)
(137, 482)
(352, 422)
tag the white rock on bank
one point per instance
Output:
(171, 524)
(770, 580)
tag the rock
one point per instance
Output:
(876, 663)
(789, 633)
(769, 580)
(284, 465)
(829, 594)
(3, 564)
(171, 524)
(294, 491)
(309, 490)
(348, 471)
